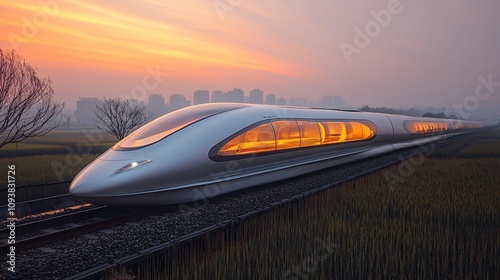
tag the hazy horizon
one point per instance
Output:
(385, 53)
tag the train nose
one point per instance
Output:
(91, 180)
(84, 186)
(107, 177)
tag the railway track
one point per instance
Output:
(52, 204)
(45, 231)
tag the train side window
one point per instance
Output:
(338, 132)
(258, 139)
(310, 134)
(368, 131)
(287, 134)
(357, 131)
(334, 132)
(291, 134)
(464, 125)
(422, 127)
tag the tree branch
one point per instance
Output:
(26, 105)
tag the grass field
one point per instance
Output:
(34, 170)
(441, 222)
(55, 157)
(59, 142)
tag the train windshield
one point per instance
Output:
(170, 123)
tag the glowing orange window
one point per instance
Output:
(338, 132)
(358, 131)
(287, 134)
(459, 124)
(255, 140)
(421, 127)
(290, 134)
(334, 132)
(310, 134)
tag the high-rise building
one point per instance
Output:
(338, 102)
(218, 96)
(85, 115)
(332, 102)
(281, 101)
(201, 96)
(271, 99)
(136, 102)
(256, 96)
(156, 105)
(298, 101)
(177, 101)
(326, 102)
(236, 95)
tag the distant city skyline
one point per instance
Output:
(237, 95)
(156, 104)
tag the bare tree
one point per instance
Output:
(26, 105)
(119, 117)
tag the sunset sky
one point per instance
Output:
(429, 53)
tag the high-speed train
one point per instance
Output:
(208, 150)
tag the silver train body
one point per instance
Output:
(187, 155)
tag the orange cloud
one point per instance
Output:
(94, 35)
